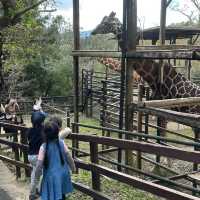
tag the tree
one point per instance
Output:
(11, 14)
(189, 8)
(48, 72)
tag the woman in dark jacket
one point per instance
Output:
(35, 139)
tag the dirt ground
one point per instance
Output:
(10, 189)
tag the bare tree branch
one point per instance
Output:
(169, 1)
(196, 4)
(183, 12)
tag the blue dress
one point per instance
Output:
(56, 178)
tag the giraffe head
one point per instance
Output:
(109, 24)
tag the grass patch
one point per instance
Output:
(91, 122)
(112, 188)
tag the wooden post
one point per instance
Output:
(163, 13)
(195, 166)
(86, 94)
(162, 33)
(91, 93)
(188, 63)
(25, 153)
(139, 125)
(158, 134)
(122, 80)
(76, 67)
(131, 46)
(94, 159)
(17, 157)
(68, 117)
(82, 88)
(104, 107)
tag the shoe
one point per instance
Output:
(37, 193)
(34, 196)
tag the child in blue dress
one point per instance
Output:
(55, 160)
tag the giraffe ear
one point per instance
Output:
(112, 14)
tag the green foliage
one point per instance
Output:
(41, 53)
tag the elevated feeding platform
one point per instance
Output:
(190, 52)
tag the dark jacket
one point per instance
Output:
(35, 140)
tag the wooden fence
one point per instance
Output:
(98, 170)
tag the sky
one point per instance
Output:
(92, 12)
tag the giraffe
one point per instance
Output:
(174, 84)
(115, 65)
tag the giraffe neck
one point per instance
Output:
(111, 63)
(115, 65)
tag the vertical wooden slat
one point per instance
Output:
(94, 159)
(17, 157)
(139, 125)
(158, 134)
(25, 153)
(104, 107)
(91, 93)
(68, 118)
(147, 92)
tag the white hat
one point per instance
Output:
(36, 107)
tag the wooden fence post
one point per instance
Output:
(94, 159)
(68, 118)
(195, 166)
(104, 107)
(17, 157)
(25, 152)
(158, 134)
(139, 125)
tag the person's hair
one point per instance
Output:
(8, 100)
(57, 120)
(51, 131)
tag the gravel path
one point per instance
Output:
(10, 189)
(4, 195)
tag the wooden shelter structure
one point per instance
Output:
(171, 33)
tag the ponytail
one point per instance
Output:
(46, 161)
